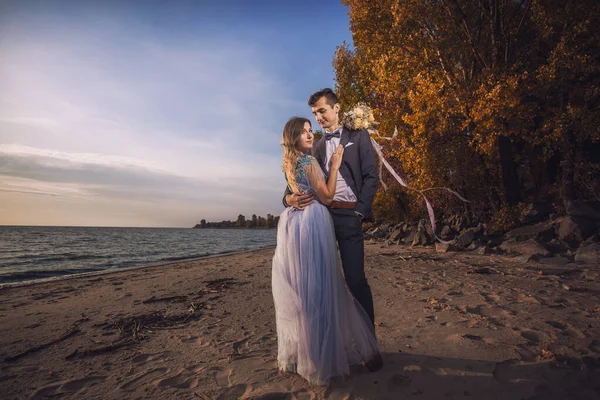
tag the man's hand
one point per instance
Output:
(299, 201)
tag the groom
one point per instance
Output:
(355, 189)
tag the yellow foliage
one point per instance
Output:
(482, 94)
(506, 219)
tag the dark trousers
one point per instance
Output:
(348, 232)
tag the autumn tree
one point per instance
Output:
(484, 93)
(241, 221)
(270, 221)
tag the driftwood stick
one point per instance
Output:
(169, 298)
(99, 350)
(72, 331)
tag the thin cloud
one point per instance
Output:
(32, 192)
(52, 157)
(107, 118)
(173, 124)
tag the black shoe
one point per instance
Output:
(375, 363)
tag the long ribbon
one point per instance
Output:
(402, 182)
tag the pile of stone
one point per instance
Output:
(543, 236)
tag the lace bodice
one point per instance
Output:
(308, 171)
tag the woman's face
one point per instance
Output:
(305, 142)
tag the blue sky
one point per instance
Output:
(154, 113)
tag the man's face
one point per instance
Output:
(326, 115)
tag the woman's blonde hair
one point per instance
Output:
(291, 154)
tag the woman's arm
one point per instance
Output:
(325, 190)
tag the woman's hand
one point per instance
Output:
(336, 157)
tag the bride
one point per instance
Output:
(321, 329)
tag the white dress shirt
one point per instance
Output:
(343, 192)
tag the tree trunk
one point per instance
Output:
(510, 179)
(568, 169)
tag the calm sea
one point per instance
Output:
(29, 253)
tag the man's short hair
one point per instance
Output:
(329, 94)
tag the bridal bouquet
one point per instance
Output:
(359, 117)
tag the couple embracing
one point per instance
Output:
(324, 312)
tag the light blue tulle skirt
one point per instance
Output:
(321, 329)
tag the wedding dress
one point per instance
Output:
(321, 329)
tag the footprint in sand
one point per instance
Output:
(76, 385)
(182, 380)
(266, 338)
(526, 353)
(197, 341)
(490, 297)
(533, 335)
(71, 386)
(557, 325)
(487, 311)
(398, 381)
(233, 393)
(239, 345)
(337, 394)
(221, 375)
(574, 333)
(508, 371)
(144, 378)
(271, 393)
(526, 298)
(189, 339)
(253, 368)
(304, 394)
(142, 358)
(566, 329)
(197, 369)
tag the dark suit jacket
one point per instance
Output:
(359, 167)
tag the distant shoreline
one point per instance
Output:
(126, 227)
(134, 227)
(262, 228)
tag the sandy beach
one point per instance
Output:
(450, 325)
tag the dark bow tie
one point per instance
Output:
(328, 135)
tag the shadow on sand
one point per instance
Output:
(425, 377)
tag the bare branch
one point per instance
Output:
(522, 17)
(483, 10)
(462, 22)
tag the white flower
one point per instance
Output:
(359, 117)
